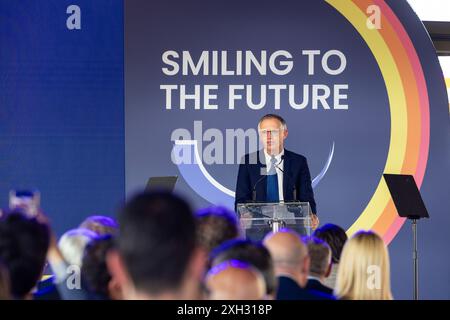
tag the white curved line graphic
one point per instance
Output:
(319, 177)
(213, 181)
(227, 191)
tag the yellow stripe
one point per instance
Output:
(397, 104)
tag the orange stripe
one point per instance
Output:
(386, 218)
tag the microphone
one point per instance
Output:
(254, 187)
(281, 161)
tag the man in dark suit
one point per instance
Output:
(291, 262)
(288, 289)
(275, 174)
(316, 285)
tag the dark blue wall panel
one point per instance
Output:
(61, 106)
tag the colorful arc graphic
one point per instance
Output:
(408, 103)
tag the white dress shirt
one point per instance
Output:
(279, 165)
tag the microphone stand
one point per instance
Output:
(294, 191)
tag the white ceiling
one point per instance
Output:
(431, 10)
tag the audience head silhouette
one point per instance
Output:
(157, 256)
(215, 225)
(24, 243)
(250, 252)
(289, 254)
(235, 280)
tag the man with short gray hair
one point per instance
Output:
(275, 174)
(320, 265)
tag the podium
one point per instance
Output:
(258, 219)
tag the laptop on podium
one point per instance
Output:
(166, 183)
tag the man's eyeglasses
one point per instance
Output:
(273, 132)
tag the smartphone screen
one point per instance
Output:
(27, 201)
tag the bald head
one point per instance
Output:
(235, 280)
(286, 247)
(289, 254)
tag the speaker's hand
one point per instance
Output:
(314, 221)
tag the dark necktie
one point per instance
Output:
(272, 182)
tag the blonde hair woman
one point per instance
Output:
(363, 272)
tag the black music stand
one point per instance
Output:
(409, 204)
